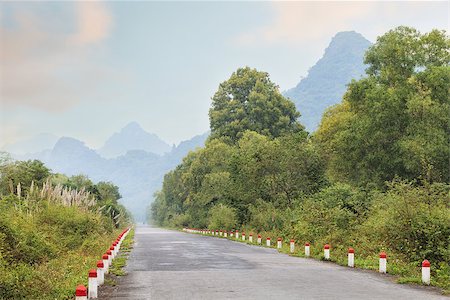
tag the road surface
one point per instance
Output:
(174, 265)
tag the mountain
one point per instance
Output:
(327, 79)
(35, 144)
(71, 157)
(133, 137)
(137, 173)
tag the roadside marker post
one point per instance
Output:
(383, 263)
(259, 239)
(243, 236)
(250, 238)
(279, 243)
(292, 246)
(307, 250)
(105, 263)
(351, 257)
(100, 272)
(237, 234)
(92, 289)
(426, 272)
(268, 242)
(326, 251)
(80, 292)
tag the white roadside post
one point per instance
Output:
(225, 234)
(243, 236)
(116, 248)
(279, 243)
(259, 239)
(92, 289)
(237, 234)
(105, 263)
(221, 232)
(268, 242)
(250, 238)
(112, 252)
(307, 252)
(326, 251)
(383, 263)
(292, 246)
(81, 292)
(100, 272)
(351, 257)
(109, 257)
(426, 272)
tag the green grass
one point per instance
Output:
(119, 262)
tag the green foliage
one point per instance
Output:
(44, 255)
(21, 173)
(222, 216)
(250, 101)
(52, 229)
(414, 221)
(395, 121)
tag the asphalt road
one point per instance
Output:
(174, 265)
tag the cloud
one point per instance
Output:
(301, 22)
(45, 65)
(94, 22)
(306, 22)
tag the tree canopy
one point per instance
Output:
(248, 100)
(394, 122)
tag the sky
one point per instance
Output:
(86, 69)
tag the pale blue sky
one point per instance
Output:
(86, 69)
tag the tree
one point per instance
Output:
(250, 101)
(395, 121)
(24, 173)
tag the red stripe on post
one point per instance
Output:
(108, 252)
(279, 239)
(81, 290)
(100, 264)
(92, 273)
(383, 255)
(306, 244)
(351, 250)
(259, 235)
(292, 241)
(268, 239)
(326, 246)
(105, 256)
(425, 264)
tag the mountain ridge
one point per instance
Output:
(327, 79)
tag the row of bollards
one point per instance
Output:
(326, 250)
(96, 277)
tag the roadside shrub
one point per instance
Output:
(222, 216)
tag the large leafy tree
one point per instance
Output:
(248, 100)
(394, 122)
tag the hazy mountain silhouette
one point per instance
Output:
(137, 173)
(327, 79)
(133, 137)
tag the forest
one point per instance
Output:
(53, 229)
(374, 176)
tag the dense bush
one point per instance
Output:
(53, 228)
(44, 255)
